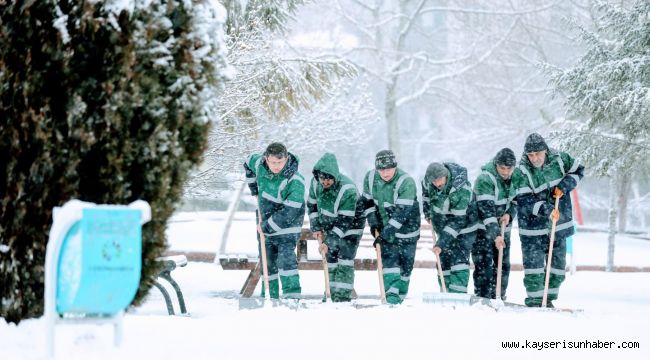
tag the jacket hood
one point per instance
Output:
(291, 167)
(457, 175)
(490, 167)
(327, 164)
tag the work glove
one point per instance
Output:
(374, 230)
(378, 240)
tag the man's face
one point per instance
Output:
(537, 158)
(440, 182)
(505, 171)
(326, 180)
(387, 174)
(276, 164)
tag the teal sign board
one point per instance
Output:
(100, 262)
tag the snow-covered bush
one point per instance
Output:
(101, 101)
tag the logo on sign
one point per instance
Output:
(111, 250)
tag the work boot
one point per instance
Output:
(550, 305)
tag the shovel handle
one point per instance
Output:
(500, 263)
(442, 277)
(265, 268)
(380, 272)
(550, 255)
(443, 286)
(328, 294)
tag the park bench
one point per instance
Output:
(310, 259)
(246, 258)
(92, 265)
(169, 264)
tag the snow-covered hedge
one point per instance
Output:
(102, 101)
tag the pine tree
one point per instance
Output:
(104, 102)
(608, 99)
(608, 92)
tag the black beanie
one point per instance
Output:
(505, 157)
(435, 171)
(534, 143)
(385, 159)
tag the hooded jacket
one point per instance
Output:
(334, 210)
(392, 205)
(281, 197)
(494, 197)
(534, 190)
(452, 209)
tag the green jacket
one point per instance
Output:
(452, 210)
(534, 193)
(392, 206)
(281, 197)
(493, 199)
(333, 210)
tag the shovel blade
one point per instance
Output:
(260, 303)
(447, 299)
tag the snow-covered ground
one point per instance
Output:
(616, 309)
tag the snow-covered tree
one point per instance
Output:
(608, 98)
(281, 91)
(452, 77)
(104, 102)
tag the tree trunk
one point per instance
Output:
(392, 124)
(624, 185)
(612, 223)
(637, 200)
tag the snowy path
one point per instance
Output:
(616, 308)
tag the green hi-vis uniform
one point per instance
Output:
(334, 212)
(534, 187)
(452, 212)
(281, 201)
(494, 197)
(393, 206)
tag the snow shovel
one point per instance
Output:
(251, 303)
(246, 303)
(265, 268)
(500, 262)
(550, 255)
(380, 272)
(444, 297)
(328, 294)
(441, 275)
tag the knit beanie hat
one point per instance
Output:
(534, 143)
(505, 157)
(385, 159)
